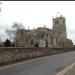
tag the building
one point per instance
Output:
(44, 37)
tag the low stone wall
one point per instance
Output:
(12, 55)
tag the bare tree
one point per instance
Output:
(12, 33)
(18, 26)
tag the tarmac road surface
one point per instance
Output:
(48, 65)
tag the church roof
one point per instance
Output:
(43, 28)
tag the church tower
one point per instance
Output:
(59, 25)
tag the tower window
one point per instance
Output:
(56, 22)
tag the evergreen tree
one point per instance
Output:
(7, 43)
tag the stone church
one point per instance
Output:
(45, 37)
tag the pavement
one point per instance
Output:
(48, 65)
(70, 72)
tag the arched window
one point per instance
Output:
(32, 41)
(56, 22)
(51, 40)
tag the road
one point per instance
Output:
(48, 65)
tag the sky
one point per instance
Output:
(34, 14)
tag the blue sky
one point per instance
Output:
(36, 14)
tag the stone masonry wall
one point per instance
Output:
(11, 55)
